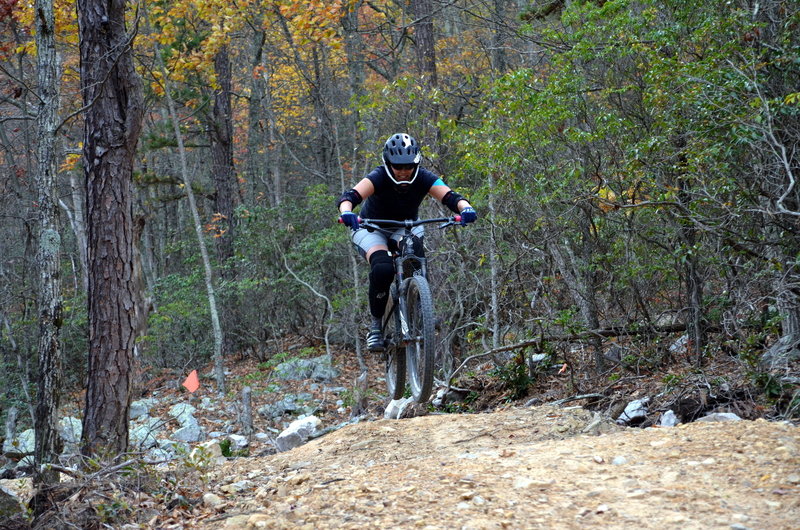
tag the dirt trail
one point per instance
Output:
(540, 467)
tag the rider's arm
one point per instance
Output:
(360, 192)
(453, 200)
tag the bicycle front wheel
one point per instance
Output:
(421, 348)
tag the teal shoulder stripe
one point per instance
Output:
(439, 182)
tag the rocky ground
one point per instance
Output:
(538, 467)
(503, 463)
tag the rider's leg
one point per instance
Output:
(380, 279)
(373, 247)
(381, 275)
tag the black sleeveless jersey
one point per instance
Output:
(391, 201)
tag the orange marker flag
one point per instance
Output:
(192, 383)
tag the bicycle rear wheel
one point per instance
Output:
(395, 356)
(421, 349)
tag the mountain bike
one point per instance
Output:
(408, 322)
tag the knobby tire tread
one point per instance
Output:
(419, 305)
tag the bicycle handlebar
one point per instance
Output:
(408, 223)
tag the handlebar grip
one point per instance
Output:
(457, 218)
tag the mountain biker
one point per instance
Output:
(395, 191)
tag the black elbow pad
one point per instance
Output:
(350, 195)
(451, 199)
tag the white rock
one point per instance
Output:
(70, 429)
(189, 432)
(24, 442)
(635, 410)
(238, 441)
(668, 419)
(10, 503)
(720, 416)
(297, 433)
(211, 500)
(141, 407)
(183, 412)
(396, 407)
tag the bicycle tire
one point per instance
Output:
(395, 358)
(421, 349)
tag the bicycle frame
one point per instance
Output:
(404, 253)
(411, 349)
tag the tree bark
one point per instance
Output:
(574, 271)
(76, 214)
(223, 169)
(494, 310)
(498, 53)
(426, 42)
(48, 442)
(426, 64)
(224, 174)
(695, 317)
(112, 93)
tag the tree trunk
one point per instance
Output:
(48, 442)
(257, 161)
(493, 265)
(223, 169)
(77, 221)
(426, 42)
(426, 64)
(321, 96)
(498, 52)
(224, 174)
(695, 320)
(219, 368)
(580, 286)
(112, 93)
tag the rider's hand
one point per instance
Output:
(468, 215)
(350, 219)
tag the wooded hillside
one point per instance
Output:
(633, 165)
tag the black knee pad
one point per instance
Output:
(380, 278)
(381, 271)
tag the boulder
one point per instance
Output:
(190, 432)
(21, 444)
(635, 412)
(396, 407)
(298, 432)
(238, 441)
(781, 353)
(319, 368)
(668, 419)
(70, 430)
(184, 413)
(720, 416)
(141, 408)
(290, 404)
(142, 434)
